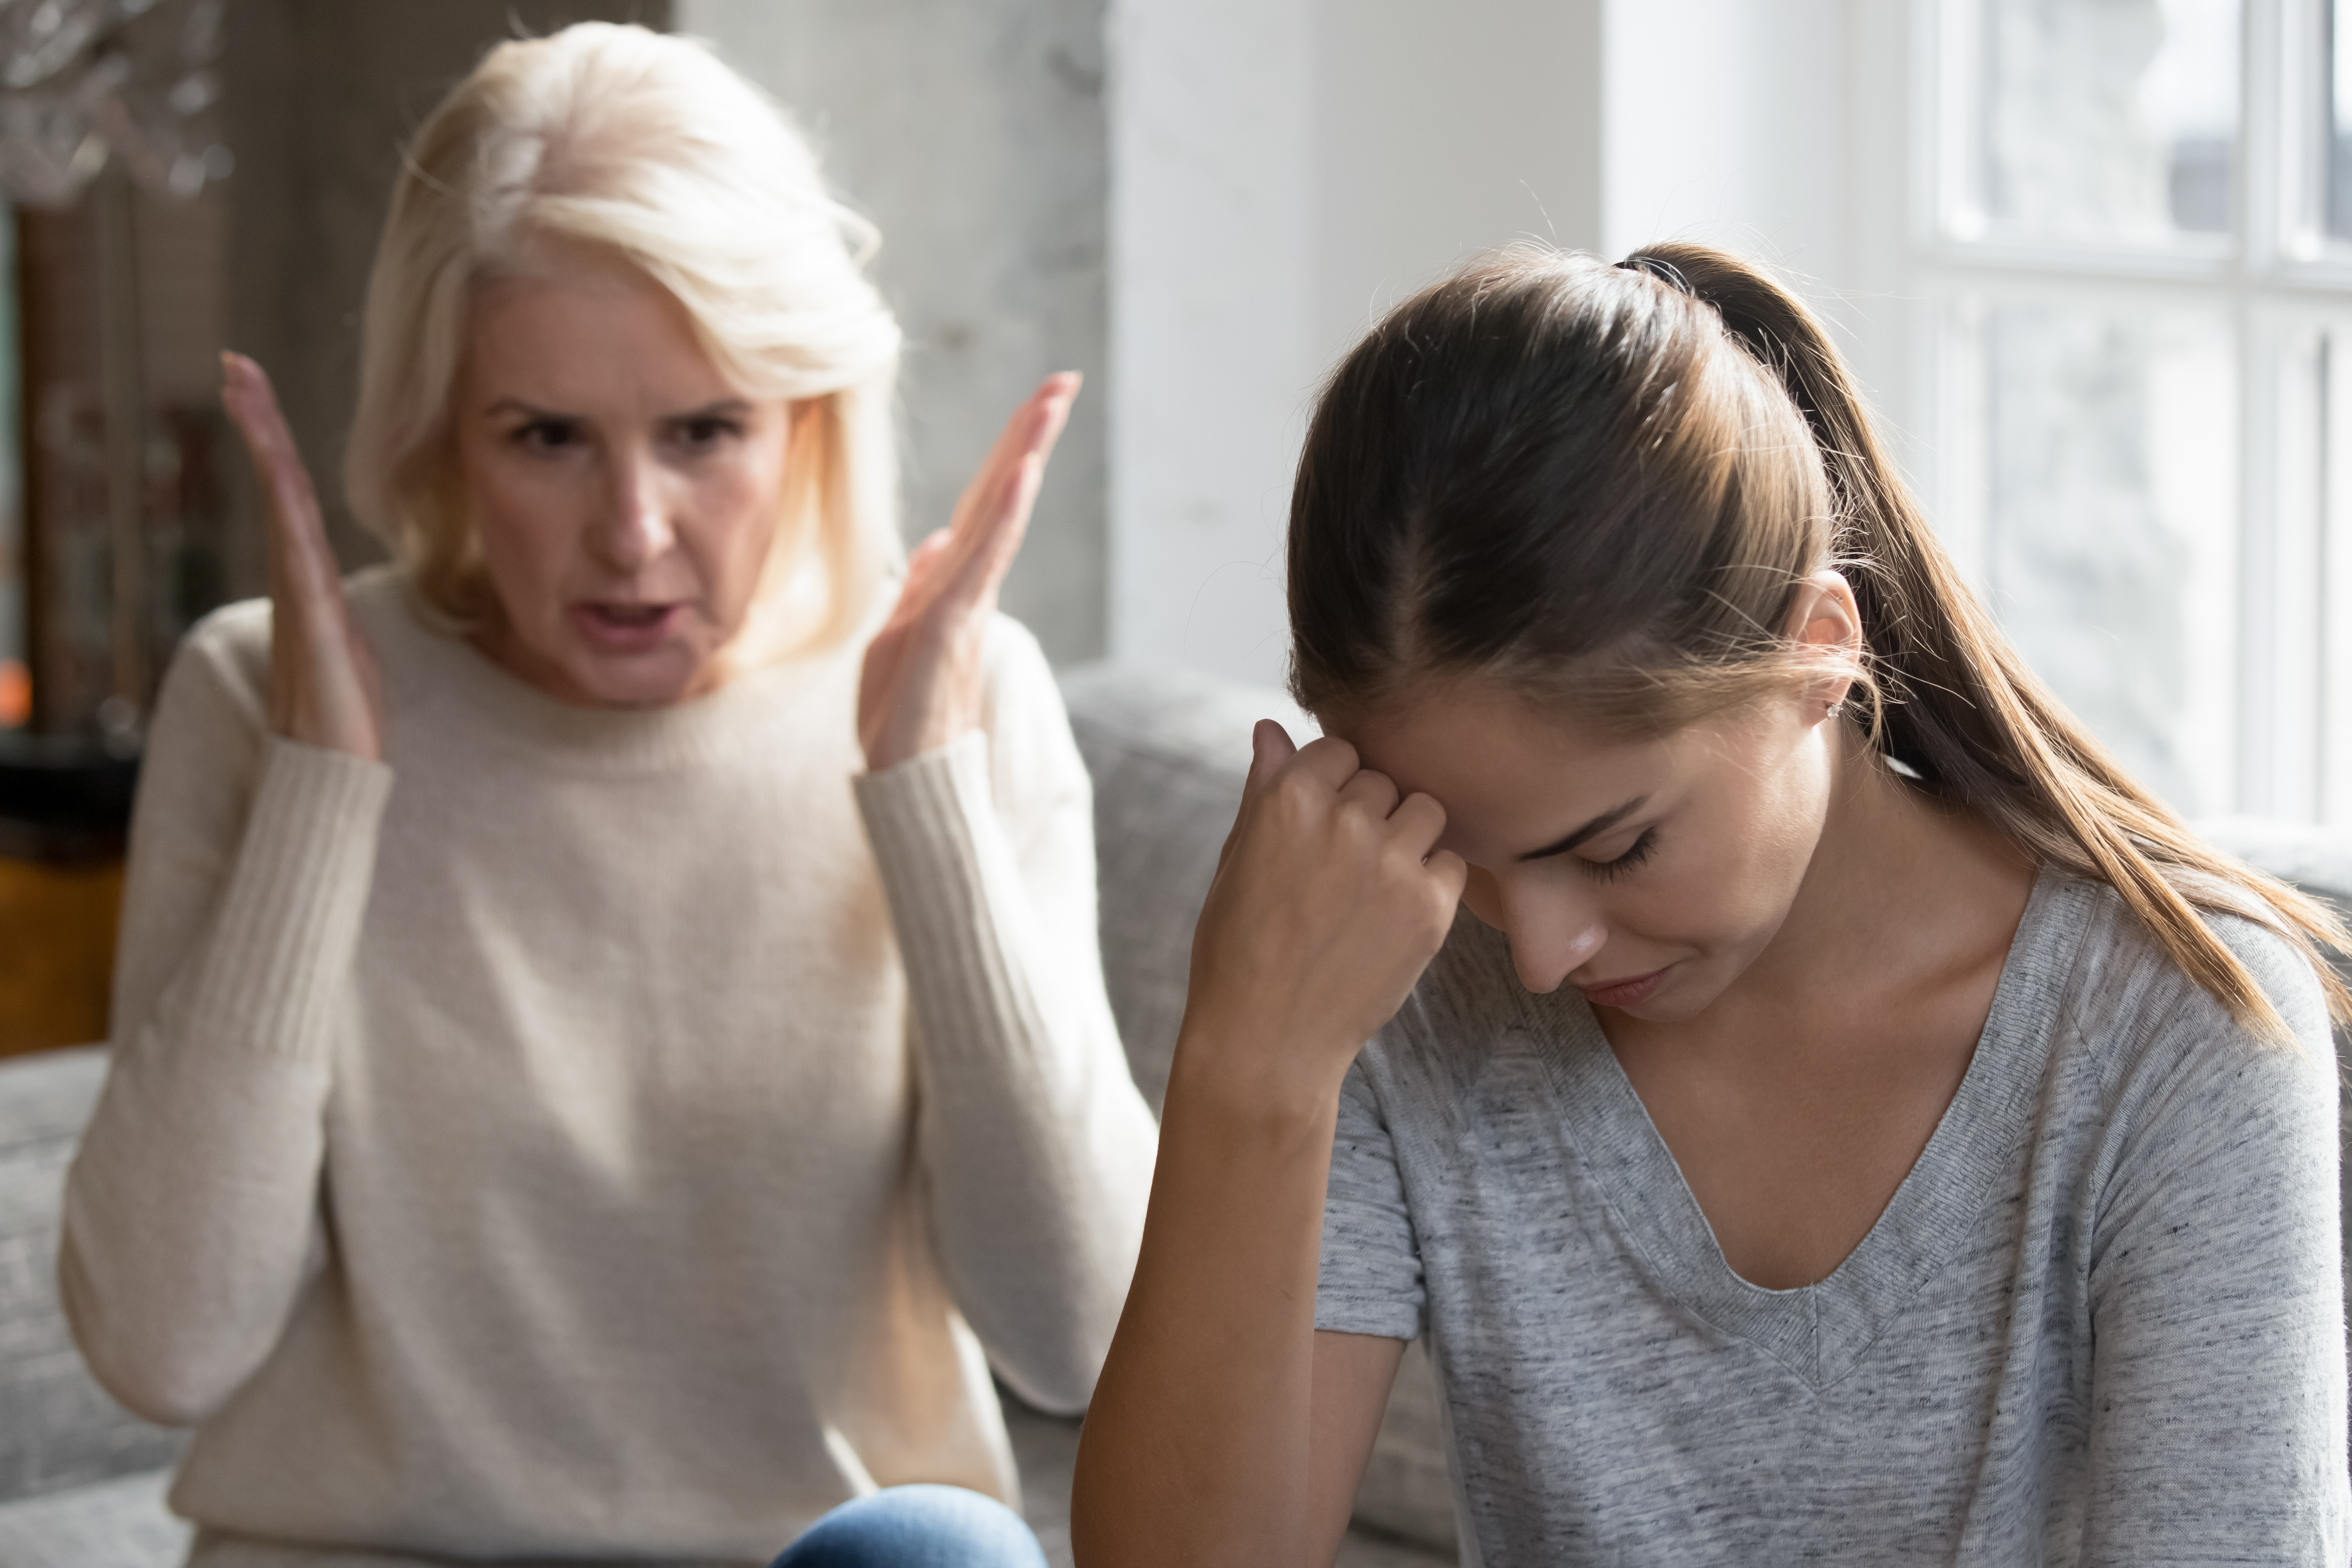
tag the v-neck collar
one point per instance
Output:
(1820, 1330)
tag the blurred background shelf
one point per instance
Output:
(64, 808)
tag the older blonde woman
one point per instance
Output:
(610, 1049)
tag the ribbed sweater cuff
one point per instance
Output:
(932, 822)
(290, 917)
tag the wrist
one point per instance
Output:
(1249, 1080)
(884, 756)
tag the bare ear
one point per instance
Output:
(1825, 622)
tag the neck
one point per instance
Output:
(1901, 888)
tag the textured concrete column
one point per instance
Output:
(318, 99)
(972, 132)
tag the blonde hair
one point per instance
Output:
(1600, 486)
(646, 147)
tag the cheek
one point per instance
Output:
(732, 522)
(1760, 853)
(528, 527)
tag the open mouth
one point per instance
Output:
(625, 627)
(629, 614)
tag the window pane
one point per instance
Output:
(2338, 16)
(2106, 120)
(2332, 613)
(2111, 545)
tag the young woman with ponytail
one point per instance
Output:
(1848, 1119)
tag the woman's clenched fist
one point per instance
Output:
(1330, 899)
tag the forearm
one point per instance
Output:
(191, 1217)
(191, 1226)
(1197, 1447)
(1036, 1147)
(1038, 1174)
(1210, 1440)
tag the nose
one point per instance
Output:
(635, 528)
(1552, 933)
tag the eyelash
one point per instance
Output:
(705, 432)
(545, 434)
(551, 434)
(1609, 870)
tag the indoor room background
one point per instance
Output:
(2092, 258)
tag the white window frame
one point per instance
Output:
(2286, 290)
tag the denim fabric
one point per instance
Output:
(917, 1527)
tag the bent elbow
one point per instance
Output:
(1059, 1379)
(1060, 1392)
(143, 1360)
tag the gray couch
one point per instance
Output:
(81, 1483)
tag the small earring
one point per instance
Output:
(1836, 709)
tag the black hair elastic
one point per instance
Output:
(1665, 271)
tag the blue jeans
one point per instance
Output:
(917, 1527)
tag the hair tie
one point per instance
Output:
(1659, 267)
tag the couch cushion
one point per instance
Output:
(1168, 750)
(58, 1428)
(117, 1523)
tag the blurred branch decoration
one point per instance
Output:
(96, 97)
(84, 82)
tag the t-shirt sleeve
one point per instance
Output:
(1370, 1279)
(2217, 1428)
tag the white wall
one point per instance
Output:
(1284, 169)
(1281, 172)
(1212, 347)
(972, 133)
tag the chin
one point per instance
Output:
(655, 680)
(1668, 1009)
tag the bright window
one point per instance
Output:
(2136, 247)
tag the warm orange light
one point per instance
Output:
(15, 693)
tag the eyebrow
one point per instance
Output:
(1601, 823)
(724, 406)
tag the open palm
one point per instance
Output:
(921, 684)
(323, 687)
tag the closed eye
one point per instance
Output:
(1609, 870)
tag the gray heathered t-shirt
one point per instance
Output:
(2101, 1321)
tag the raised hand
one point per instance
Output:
(1221, 1430)
(1330, 899)
(323, 687)
(921, 684)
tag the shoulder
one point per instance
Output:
(222, 664)
(1034, 762)
(1019, 679)
(2163, 1049)
(225, 656)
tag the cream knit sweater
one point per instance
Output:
(593, 1134)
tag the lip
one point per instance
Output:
(1628, 992)
(607, 632)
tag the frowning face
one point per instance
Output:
(624, 494)
(1648, 874)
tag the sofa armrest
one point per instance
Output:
(58, 1427)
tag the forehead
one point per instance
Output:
(1513, 774)
(579, 332)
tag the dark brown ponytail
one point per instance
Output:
(1570, 477)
